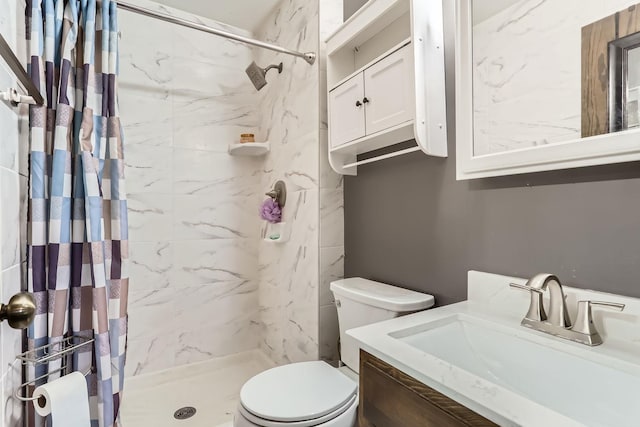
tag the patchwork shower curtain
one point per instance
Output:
(77, 236)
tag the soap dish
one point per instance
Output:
(277, 233)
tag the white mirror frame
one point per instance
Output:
(596, 150)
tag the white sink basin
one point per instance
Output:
(591, 393)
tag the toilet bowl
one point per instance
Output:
(309, 394)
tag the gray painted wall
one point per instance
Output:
(409, 222)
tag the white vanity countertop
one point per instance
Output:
(491, 300)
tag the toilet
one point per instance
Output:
(314, 393)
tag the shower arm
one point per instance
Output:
(309, 57)
(272, 66)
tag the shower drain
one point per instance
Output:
(184, 413)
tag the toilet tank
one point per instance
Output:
(361, 302)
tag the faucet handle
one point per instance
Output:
(536, 307)
(584, 320)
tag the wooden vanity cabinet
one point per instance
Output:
(391, 398)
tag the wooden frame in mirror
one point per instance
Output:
(541, 154)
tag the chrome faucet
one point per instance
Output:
(558, 322)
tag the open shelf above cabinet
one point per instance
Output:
(386, 80)
(370, 63)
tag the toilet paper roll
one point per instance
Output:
(66, 399)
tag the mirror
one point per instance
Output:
(544, 85)
(624, 84)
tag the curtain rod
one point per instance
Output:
(16, 67)
(34, 93)
(310, 57)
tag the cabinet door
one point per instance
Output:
(391, 398)
(388, 86)
(346, 111)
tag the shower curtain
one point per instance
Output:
(77, 232)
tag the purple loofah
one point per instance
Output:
(270, 211)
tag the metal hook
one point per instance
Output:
(279, 193)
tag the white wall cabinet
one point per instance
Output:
(373, 100)
(386, 81)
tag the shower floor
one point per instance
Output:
(212, 387)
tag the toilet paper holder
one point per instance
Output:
(59, 352)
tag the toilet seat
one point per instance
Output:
(297, 395)
(307, 423)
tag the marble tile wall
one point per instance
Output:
(331, 200)
(527, 72)
(194, 227)
(288, 273)
(13, 190)
(297, 315)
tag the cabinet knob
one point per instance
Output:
(358, 104)
(365, 100)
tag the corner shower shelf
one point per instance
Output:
(254, 149)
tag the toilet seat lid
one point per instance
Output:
(297, 392)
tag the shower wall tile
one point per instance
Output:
(331, 201)
(169, 329)
(289, 284)
(9, 125)
(150, 265)
(152, 340)
(214, 50)
(195, 79)
(225, 261)
(9, 218)
(296, 160)
(145, 53)
(146, 117)
(149, 170)
(331, 269)
(211, 123)
(194, 227)
(215, 174)
(198, 217)
(331, 217)
(11, 346)
(243, 184)
(12, 408)
(224, 302)
(229, 327)
(13, 148)
(329, 179)
(329, 333)
(294, 276)
(150, 217)
(324, 108)
(200, 344)
(11, 338)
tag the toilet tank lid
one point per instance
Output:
(381, 295)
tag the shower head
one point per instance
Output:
(257, 75)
